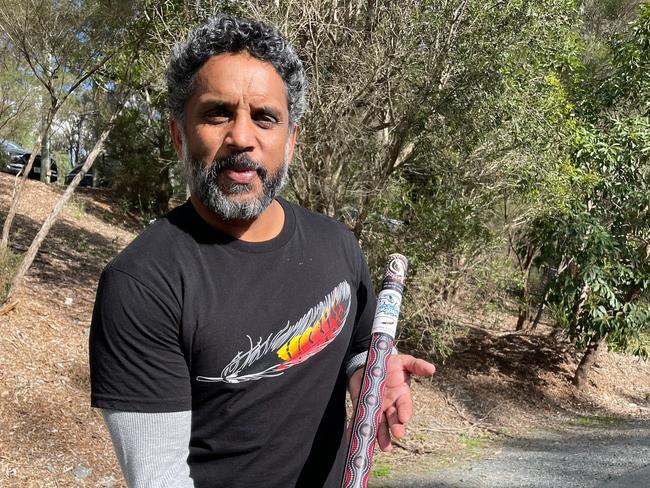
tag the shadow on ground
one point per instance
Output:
(487, 370)
(69, 257)
(97, 201)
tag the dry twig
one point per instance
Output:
(8, 307)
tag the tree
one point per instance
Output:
(37, 242)
(63, 44)
(14, 92)
(143, 163)
(72, 128)
(99, 29)
(596, 235)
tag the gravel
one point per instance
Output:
(608, 455)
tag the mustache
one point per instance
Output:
(238, 162)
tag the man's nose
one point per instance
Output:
(240, 135)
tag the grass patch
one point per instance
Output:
(9, 262)
(595, 420)
(472, 442)
(77, 208)
(380, 469)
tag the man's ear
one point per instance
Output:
(291, 143)
(177, 139)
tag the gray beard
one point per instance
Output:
(203, 182)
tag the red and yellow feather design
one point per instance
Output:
(291, 345)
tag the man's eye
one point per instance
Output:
(265, 121)
(217, 116)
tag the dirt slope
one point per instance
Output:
(47, 430)
(496, 385)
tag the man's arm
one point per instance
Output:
(152, 448)
(140, 380)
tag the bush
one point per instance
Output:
(141, 163)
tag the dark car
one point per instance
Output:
(87, 180)
(13, 159)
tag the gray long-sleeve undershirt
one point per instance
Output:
(152, 448)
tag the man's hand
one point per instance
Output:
(397, 404)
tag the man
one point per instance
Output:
(224, 336)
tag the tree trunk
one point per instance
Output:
(579, 303)
(45, 155)
(524, 305)
(538, 315)
(163, 191)
(588, 360)
(20, 181)
(540, 309)
(521, 319)
(77, 142)
(28, 259)
(45, 140)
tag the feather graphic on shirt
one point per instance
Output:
(293, 344)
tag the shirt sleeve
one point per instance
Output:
(366, 304)
(152, 448)
(136, 358)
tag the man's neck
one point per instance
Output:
(264, 227)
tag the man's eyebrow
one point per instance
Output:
(215, 104)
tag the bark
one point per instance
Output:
(523, 303)
(588, 360)
(579, 303)
(28, 259)
(523, 316)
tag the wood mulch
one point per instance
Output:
(496, 384)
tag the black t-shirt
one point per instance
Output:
(252, 337)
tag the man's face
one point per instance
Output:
(235, 141)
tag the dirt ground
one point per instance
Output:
(496, 385)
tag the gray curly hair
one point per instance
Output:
(228, 34)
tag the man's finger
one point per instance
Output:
(397, 428)
(398, 431)
(416, 366)
(391, 416)
(404, 407)
(383, 434)
(348, 430)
